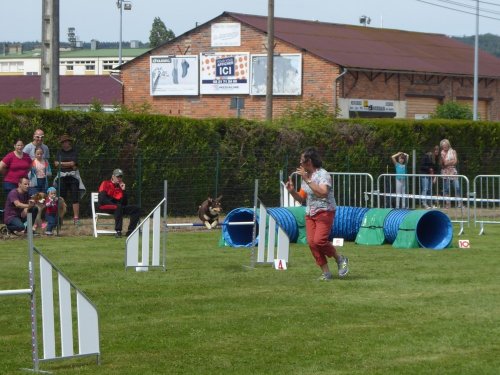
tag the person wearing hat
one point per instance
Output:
(113, 193)
(70, 181)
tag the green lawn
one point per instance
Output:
(398, 312)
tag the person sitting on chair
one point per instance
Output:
(112, 193)
(17, 207)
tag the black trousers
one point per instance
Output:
(130, 210)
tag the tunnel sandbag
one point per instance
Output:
(239, 235)
(347, 222)
(371, 231)
(392, 222)
(300, 217)
(286, 220)
(427, 229)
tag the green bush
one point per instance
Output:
(453, 111)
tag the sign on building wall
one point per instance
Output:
(364, 105)
(174, 75)
(287, 74)
(224, 73)
(226, 35)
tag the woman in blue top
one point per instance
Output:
(317, 192)
(400, 159)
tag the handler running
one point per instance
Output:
(317, 191)
(112, 193)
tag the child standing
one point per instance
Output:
(400, 159)
(52, 207)
(40, 170)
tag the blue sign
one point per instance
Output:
(224, 67)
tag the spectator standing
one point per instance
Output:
(449, 161)
(113, 192)
(400, 161)
(430, 167)
(40, 171)
(38, 138)
(14, 165)
(317, 191)
(70, 183)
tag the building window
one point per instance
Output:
(90, 67)
(69, 67)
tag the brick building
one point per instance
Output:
(364, 71)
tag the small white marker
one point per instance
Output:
(280, 264)
(464, 244)
(338, 242)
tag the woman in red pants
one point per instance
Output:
(317, 192)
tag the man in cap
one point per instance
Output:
(113, 193)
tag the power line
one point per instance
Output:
(457, 10)
(473, 7)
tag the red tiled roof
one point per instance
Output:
(76, 90)
(359, 47)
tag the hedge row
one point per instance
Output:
(200, 157)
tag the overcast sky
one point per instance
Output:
(100, 19)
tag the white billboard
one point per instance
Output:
(174, 75)
(287, 74)
(224, 73)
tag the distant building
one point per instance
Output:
(75, 92)
(77, 62)
(218, 69)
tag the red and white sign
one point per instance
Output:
(280, 264)
(338, 242)
(464, 244)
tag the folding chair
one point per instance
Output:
(101, 216)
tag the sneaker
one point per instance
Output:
(118, 234)
(76, 221)
(343, 266)
(49, 233)
(326, 277)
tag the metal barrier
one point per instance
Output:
(350, 189)
(457, 206)
(86, 313)
(486, 196)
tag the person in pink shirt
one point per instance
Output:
(14, 165)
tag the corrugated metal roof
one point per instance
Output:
(360, 47)
(78, 90)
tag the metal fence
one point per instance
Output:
(486, 197)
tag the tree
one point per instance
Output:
(159, 33)
(453, 111)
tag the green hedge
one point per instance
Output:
(224, 156)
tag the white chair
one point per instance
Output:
(102, 214)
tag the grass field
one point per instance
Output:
(398, 312)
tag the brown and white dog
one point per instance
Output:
(209, 211)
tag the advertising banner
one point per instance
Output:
(287, 74)
(224, 73)
(174, 75)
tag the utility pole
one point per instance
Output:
(270, 60)
(49, 87)
(476, 64)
